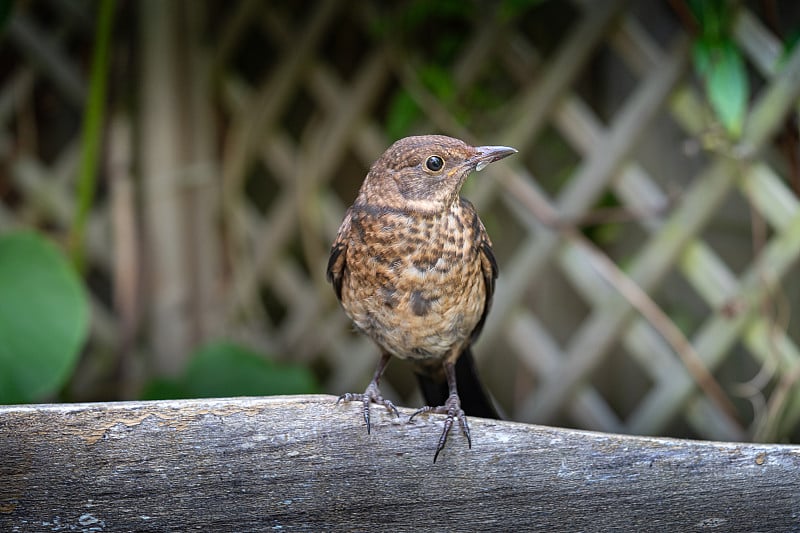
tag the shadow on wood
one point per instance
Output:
(304, 463)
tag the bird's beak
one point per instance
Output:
(490, 154)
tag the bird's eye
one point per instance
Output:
(434, 163)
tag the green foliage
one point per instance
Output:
(403, 111)
(92, 128)
(727, 89)
(44, 318)
(790, 42)
(416, 13)
(6, 7)
(413, 15)
(719, 63)
(447, 26)
(437, 80)
(715, 17)
(226, 369)
(510, 9)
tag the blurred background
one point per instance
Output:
(172, 174)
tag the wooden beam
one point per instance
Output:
(304, 463)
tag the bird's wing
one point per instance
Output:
(338, 259)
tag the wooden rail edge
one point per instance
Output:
(305, 463)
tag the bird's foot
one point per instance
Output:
(371, 395)
(452, 408)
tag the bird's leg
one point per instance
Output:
(373, 393)
(451, 407)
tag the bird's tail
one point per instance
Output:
(475, 400)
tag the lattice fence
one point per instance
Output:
(255, 123)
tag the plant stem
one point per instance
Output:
(91, 135)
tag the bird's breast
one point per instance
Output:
(414, 282)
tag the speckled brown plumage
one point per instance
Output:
(412, 264)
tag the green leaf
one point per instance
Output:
(226, 369)
(701, 58)
(714, 17)
(44, 318)
(727, 87)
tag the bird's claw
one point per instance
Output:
(371, 395)
(452, 408)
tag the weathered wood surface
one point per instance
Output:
(304, 463)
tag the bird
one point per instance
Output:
(413, 268)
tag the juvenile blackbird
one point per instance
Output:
(413, 268)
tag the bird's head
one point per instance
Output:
(425, 173)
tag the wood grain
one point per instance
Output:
(303, 463)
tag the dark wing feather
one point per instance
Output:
(338, 259)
